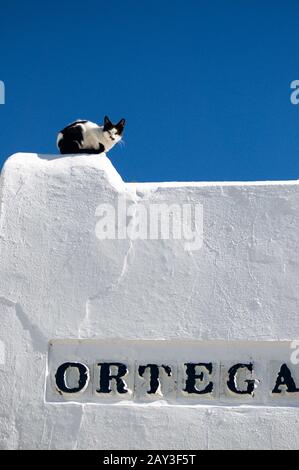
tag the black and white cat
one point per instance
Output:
(88, 137)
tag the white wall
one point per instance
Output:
(59, 281)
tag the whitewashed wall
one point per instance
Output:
(59, 281)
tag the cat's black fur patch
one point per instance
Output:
(74, 124)
(73, 147)
(68, 147)
(70, 144)
(95, 151)
(73, 132)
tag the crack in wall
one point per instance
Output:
(38, 339)
(127, 260)
(82, 407)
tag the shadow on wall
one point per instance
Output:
(74, 155)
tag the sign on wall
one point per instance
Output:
(181, 372)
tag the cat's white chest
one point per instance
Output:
(93, 135)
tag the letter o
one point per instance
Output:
(61, 377)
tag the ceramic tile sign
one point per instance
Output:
(173, 372)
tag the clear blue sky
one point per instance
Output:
(204, 85)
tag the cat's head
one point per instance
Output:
(113, 132)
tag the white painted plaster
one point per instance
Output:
(58, 280)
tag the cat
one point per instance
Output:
(87, 137)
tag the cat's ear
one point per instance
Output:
(107, 122)
(120, 125)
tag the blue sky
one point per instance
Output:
(204, 85)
